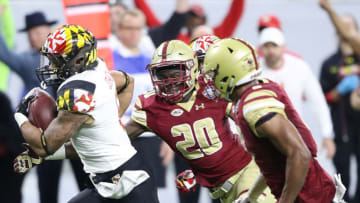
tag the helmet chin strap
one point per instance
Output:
(186, 97)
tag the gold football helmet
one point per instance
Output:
(173, 70)
(229, 63)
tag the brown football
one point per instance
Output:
(42, 109)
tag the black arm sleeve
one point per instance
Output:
(169, 30)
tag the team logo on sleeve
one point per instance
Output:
(83, 101)
(76, 96)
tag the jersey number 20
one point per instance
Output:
(205, 134)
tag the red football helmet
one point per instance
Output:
(201, 44)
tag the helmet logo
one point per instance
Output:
(177, 112)
(56, 43)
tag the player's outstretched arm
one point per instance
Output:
(60, 130)
(125, 88)
(134, 129)
(287, 140)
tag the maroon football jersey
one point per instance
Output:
(197, 130)
(256, 102)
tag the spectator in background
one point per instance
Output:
(117, 8)
(200, 31)
(24, 64)
(129, 58)
(10, 146)
(155, 35)
(339, 77)
(295, 76)
(197, 17)
(271, 20)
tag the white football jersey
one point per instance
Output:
(104, 145)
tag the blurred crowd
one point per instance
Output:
(136, 31)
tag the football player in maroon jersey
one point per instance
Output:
(183, 111)
(281, 143)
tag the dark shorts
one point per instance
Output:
(146, 192)
(149, 149)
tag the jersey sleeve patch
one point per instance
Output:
(138, 114)
(256, 109)
(76, 96)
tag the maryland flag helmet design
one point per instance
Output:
(68, 50)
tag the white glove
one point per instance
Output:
(340, 189)
(245, 199)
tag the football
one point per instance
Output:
(42, 109)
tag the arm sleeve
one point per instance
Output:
(151, 19)
(315, 96)
(228, 26)
(168, 31)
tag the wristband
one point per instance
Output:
(44, 144)
(58, 155)
(20, 118)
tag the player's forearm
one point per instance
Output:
(31, 136)
(61, 129)
(297, 165)
(134, 129)
(126, 96)
(258, 187)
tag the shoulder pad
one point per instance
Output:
(259, 103)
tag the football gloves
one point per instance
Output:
(23, 107)
(185, 181)
(26, 160)
(340, 189)
(245, 199)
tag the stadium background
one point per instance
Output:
(307, 29)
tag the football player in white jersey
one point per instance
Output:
(88, 115)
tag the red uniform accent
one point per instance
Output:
(318, 186)
(94, 15)
(210, 170)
